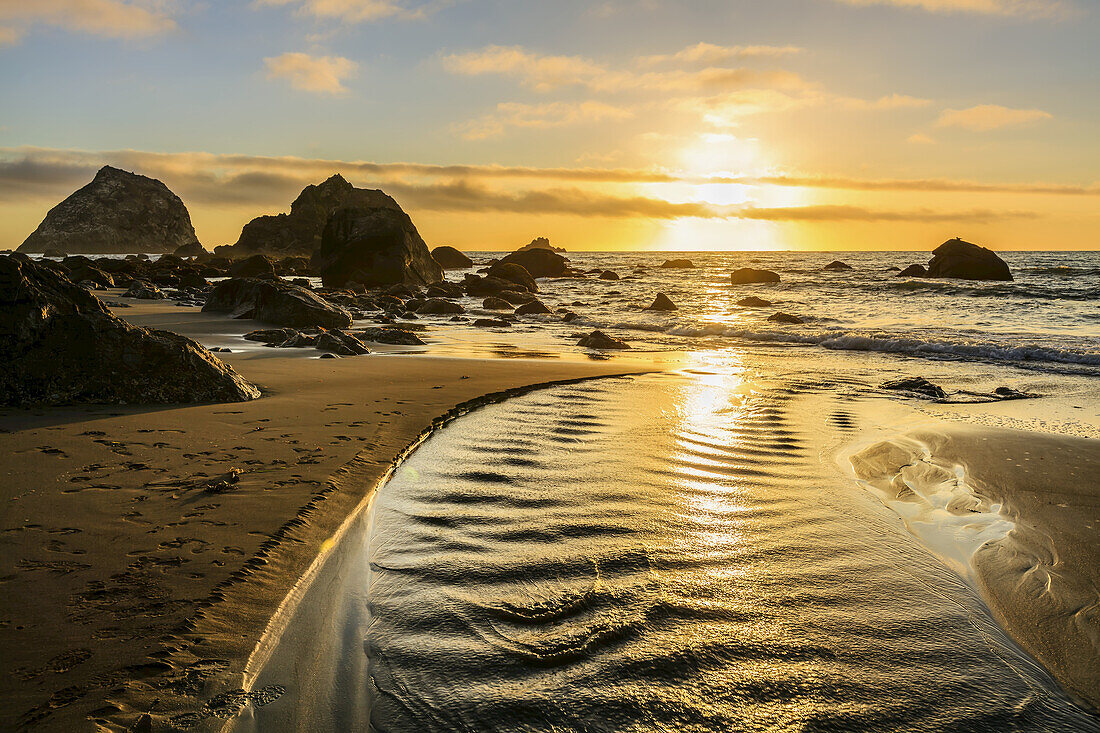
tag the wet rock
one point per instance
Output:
(680, 264)
(302, 282)
(375, 246)
(340, 342)
(496, 304)
(450, 258)
(837, 266)
(61, 345)
(93, 274)
(747, 275)
(192, 279)
(1007, 393)
(516, 274)
(117, 212)
(271, 336)
(143, 291)
(753, 302)
(918, 385)
(600, 340)
(190, 249)
(395, 336)
(329, 355)
(491, 323)
(445, 290)
(913, 271)
(255, 266)
(609, 275)
(276, 302)
(515, 297)
(568, 317)
(784, 318)
(535, 307)
(662, 303)
(299, 341)
(478, 286)
(539, 262)
(438, 307)
(966, 261)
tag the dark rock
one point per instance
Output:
(450, 258)
(600, 340)
(919, 385)
(535, 307)
(539, 262)
(277, 302)
(329, 355)
(376, 246)
(53, 252)
(438, 307)
(477, 286)
(94, 274)
(255, 266)
(413, 303)
(784, 318)
(61, 345)
(965, 261)
(609, 275)
(491, 323)
(396, 336)
(191, 249)
(117, 212)
(496, 304)
(678, 264)
(913, 271)
(143, 291)
(271, 336)
(192, 279)
(513, 273)
(302, 282)
(1007, 393)
(837, 266)
(299, 232)
(298, 341)
(568, 317)
(515, 297)
(753, 302)
(402, 290)
(445, 290)
(662, 303)
(749, 275)
(340, 342)
(540, 243)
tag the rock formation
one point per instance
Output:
(450, 258)
(540, 262)
(61, 345)
(514, 273)
(540, 243)
(678, 264)
(965, 261)
(600, 340)
(118, 212)
(662, 303)
(750, 275)
(913, 271)
(374, 246)
(299, 232)
(276, 302)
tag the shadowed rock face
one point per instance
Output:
(276, 302)
(61, 345)
(374, 246)
(118, 212)
(539, 261)
(963, 260)
(450, 258)
(299, 232)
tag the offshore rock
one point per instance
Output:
(966, 261)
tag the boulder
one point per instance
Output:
(117, 212)
(749, 275)
(478, 286)
(61, 345)
(496, 304)
(375, 246)
(678, 264)
(662, 303)
(753, 302)
(439, 307)
(918, 385)
(516, 297)
(271, 336)
(837, 266)
(784, 318)
(965, 261)
(539, 262)
(340, 342)
(191, 249)
(275, 301)
(491, 323)
(143, 291)
(913, 271)
(535, 307)
(609, 275)
(600, 340)
(514, 273)
(192, 279)
(254, 266)
(395, 336)
(299, 232)
(450, 258)
(94, 274)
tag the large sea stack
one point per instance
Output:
(374, 246)
(118, 212)
(965, 261)
(299, 232)
(61, 345)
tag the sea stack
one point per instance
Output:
(374, 246)
(118, 212)
(966, 261)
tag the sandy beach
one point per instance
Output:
(133, 579)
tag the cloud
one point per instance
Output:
(360, 11)
(535, 70)
(889, 102)
(108, 18)
(1020, 8)
(919, 138)
(709, 53)
(540, 116)
(987, 117)
(318, 74)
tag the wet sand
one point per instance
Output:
(138, 573)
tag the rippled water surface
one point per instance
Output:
(661, 553)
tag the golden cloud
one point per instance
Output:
(318, 74)
(359, 11)
(1021, 8)
(109, 18)
(987, 117)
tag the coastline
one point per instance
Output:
(132, 586)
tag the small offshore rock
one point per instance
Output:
(837, 266)
(678, 264)
(450, 258)
(753, 302)
(662, 303)
(913, 271)
(496, 304)
(609, 275)
(784, 318)
(535, 307)
(747, 275)
(600, 340)
(919, 385)
(491, 323)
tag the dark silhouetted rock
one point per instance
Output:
(439, 307)
(143, 291)
(600, 340)
(496, 304)
(395, 336)
(299, 232)
(191, 249)
(535, 307)
(965, 261)
(478, 287)
(609, 275)
(918, 385)
(445, 290)
(678, 264)
(61, 345)
(276, 302)
(271, 336)
(539, 262)
(747, 275)
(913, 271)
(784, 318)
(450, 258)
(491, 323)
(514, 273)
(837, 266)
(255, 266)
(540, 243)
(376, 246)
(1007, 393)
(117, 212)
(94, 274)
(662, 303)
(516, 297)
(340, 342)
(192, 279)
(753, 302)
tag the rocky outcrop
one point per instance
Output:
(374, 246)
(784, 318)
(118, 212)
(600, 340)
(276, 302)
(965, 261)
(662, 303)
(539, 262)
(917, 385)
(450, 258)
(913, 271)
(191, 249)
(299, 232)
(609, 275)
(514, 273)
(259, 266)
(534, 308)
(837, 266)
(753, 302)
(678, 264)
(749, 275)
(540, 243)
(61, 345)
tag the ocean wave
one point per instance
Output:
(998, 290)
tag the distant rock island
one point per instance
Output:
(118, 212)
(541, 243)
(299, 232)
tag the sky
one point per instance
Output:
(616, 124)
